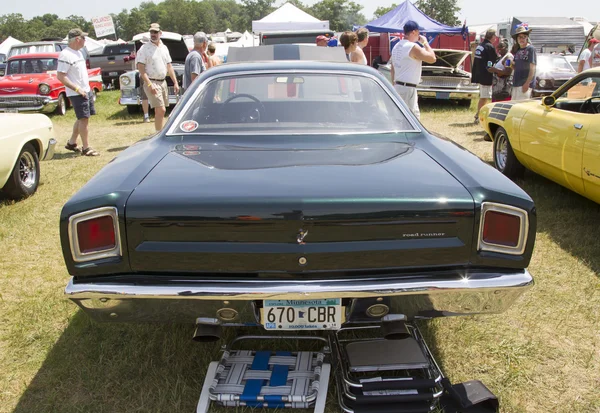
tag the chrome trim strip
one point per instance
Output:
(409, 116)
(313, 289)
(79, 256)
(50, 149)
(510, 210)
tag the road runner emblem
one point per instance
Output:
(301, 235)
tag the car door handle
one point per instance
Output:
(578, 126)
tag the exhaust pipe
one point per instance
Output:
(395, 330)
(207, 333)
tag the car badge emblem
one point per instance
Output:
(301, 235)
(30, 80)
(11, 89)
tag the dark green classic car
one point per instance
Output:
(295, 195)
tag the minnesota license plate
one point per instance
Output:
(442, 95)
(113, 73)
(323, 314)
(11, 110)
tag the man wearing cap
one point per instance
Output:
(525, 62)
(407, 59)
(322, 40)
(72, 72)
(485, 58)
(154, 63)
(585, 58)
(195, 62)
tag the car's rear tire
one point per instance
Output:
(504, 157)
(25, 176)
(61, 107)
(133, 109)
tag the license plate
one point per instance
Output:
(113, 73)
(442, 95)
(323, 314)
(11, 110)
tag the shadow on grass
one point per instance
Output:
(442, 104)
(59, 156)
(571, 220)
(118, 368)
(119, 149)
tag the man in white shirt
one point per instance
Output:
(154, 63)
(407, 59)
(72, 72)
(585, 58)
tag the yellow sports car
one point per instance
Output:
(557, 137)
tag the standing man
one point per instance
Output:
(525, 62)
(195, 60)
(72, 72)
(585, 59)
(154, 63)
(407, 58)
(485, 58)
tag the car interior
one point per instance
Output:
(582, 97)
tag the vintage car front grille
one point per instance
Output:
(7, 102)
(442, 81)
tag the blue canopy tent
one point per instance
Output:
(393, 22)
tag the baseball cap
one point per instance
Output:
(593, 40)
(410, 26)
(154, 27)
(321, 38)
(75, 33)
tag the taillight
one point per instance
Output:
(503, 229)
(95, 234)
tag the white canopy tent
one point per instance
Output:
(7, 44)
(288, 17)
(247, 40)
(91, 45)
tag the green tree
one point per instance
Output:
(13, 25)
(255, 10)
(380, 11)
(82, 23)
(444, 11)
(342, 15)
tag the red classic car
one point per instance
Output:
(30, 84)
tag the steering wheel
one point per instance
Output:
(589, 102)
(253, 114)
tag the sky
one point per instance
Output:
(474, 11)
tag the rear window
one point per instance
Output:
(118, 49)
(41, 48)
(292, 103)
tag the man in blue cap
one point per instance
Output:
(407, 58)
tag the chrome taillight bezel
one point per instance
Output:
(519, 249)
(76, 253)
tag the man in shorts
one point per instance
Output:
(485, 58)
(154, 63)
(72, 72)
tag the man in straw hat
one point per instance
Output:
(525, 62)
(154, 63)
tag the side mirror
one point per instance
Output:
(548, 101)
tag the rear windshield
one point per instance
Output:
(21, 66)
(118, 49)
(292, 103)
(41, 48)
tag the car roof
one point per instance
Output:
(46, 55)
(40, 42)
(286, 52)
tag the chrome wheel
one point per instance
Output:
(61, 108)
(501, 151)
(27, 170)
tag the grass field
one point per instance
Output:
(542, 355)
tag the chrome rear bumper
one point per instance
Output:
(184, 301)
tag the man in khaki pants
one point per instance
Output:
(154, 63)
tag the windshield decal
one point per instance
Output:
(188, 126)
